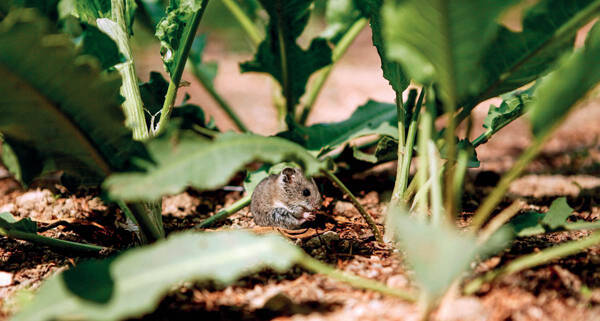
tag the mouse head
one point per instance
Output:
(299, 191)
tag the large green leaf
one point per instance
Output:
(280, 55)
(368, 119)
(185, 159)
(132, 284)
(58, 106)
(514, 59)
(560, 90)
(442, 41)
(176, 29)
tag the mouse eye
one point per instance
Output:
(306, 192)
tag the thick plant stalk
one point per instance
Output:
(188, 39)
(316, 266)
(535, 259)
(133, 105)
(148, 215)
(336, 54)
(368, 218)
(226, 212)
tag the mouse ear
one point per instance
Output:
(287, 174)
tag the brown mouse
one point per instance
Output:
(285, 200)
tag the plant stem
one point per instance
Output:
(340, 48)
(534, 259)
(207, 84)
(149, 217)
(459, 179)
(498, 193)
(370, 221)
(405, 155)
(424, 138)
(188, 39)
(244, 21)
(133, 106)
(316, 266)
(52, 242)
(226, 212)
(498, 221)
(437, 207)
(128, 214)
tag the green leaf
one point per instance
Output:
(206, 70)
(392, 71)
(280, 55)
(385, 150)
(340, 15)
(514, 59)
(512, 107)
(561, 89)
(185, 159)
(175, 29)
(132, 284)
(98, 44)
(153, 92)
(447, 37)
(558, 214)
(47, 93)
(8, 223)
(437, 253)
(369, 119)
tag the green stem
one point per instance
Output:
(226, 212)
(337, 53)
(498, 221)
(133, 106)
(129, 214)
(459, 178)
(149, 217)
(52, 242)
(244, 21)
(367, 217)
(404, 170)
(207, 84)
(424, 138)
(316, 266)
(498, 193)
(437, 207)
(535, 259)
(188, 39)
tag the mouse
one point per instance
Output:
(287, 200)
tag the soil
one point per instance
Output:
(566, 289)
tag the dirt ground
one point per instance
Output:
(568, 289)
